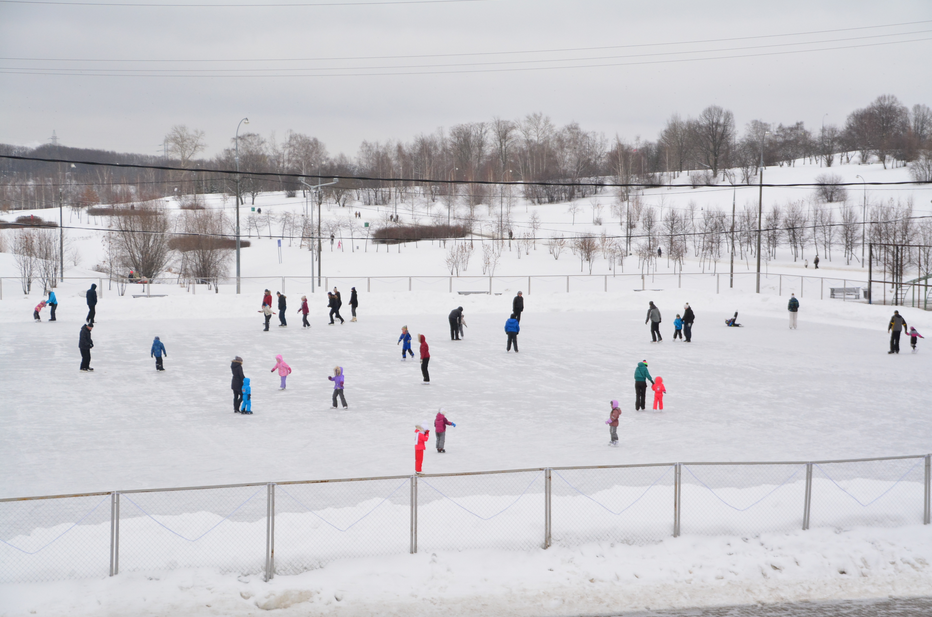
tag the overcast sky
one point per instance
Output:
(118, 74)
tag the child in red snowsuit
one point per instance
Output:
(420, 444)
(658, 392)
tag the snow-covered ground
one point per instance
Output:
(759, 393)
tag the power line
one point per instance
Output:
(235, 6)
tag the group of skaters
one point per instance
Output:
(334, 303)
(242, 386)
(682, 324)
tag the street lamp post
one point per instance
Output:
(61, 235)
(760, 204)
(236, 140)
(731, 270)
(863, 218)
(316, 189)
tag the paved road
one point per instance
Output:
(890, 607)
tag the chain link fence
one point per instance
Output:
(293, 527)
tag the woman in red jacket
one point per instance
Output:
(420, 444)
(425, 357)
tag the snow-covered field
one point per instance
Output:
(759, 393)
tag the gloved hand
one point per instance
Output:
(453, 424)
(608, 421)
(272, 371)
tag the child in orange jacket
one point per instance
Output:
(420, 444)
(659, 391)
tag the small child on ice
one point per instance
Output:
(337, 380)
(613, 423)
(247, 398)
(659, 391)
(283, 370)
(35, 313)
(678, 327)
(157, 351)
(440, 429)
(421, 435)
(914, 337)
(406, 338)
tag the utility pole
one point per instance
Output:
(61, 234)
(731, 271)
(760, 205)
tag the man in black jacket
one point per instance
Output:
(237, 384)
(517, 306)
(91, 304)
(85, 344)
(688, 318)
(897, 325)
(282, 305)
(455, 316)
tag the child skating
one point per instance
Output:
(247, 398)
(38, 310)
(914, 337)
(678, 328)
(337, 380)
(659, 391)
(406, 339)
(157, 351)
(304, 310)
(613, 423)
(421, 435)
(440, 429)
(283, 370)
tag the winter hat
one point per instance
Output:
(238, 359)
(156, 338)
(614, 404)
(304, 297)
(645, 362)
(442, 410)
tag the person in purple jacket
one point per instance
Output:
(337, 380)
(440, 429)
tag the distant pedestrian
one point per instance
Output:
(157, 351)
(517, 306)
(914, 337)
(91, 303)
(455, 316)
(236, 367)
(897, 325)
(85, 344)
(613, 424)
(406, 339)
(53, 304)
(282, 306)
(678, 328)
(337, 380)
(283, 370)
(353, 302)
(688, 318)
(37, 312)
(806, 264)
(793, 308)
(815, 262)
(641, 377)
(304, 310)
(659, 252)
(425, 357)
(421, 436)
(512, 328)
(440, 429)
(653, 316)
(659, 391)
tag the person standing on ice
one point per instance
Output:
(897, 325)
(425, 357)
(678, 327)
(659, 391)
(37, 313)
(266, 309)
(421, 435)
(653, 316)
(406, 339)
(158, 349)
(815, 262)
(53, 304)
(337, 380)
(613, 423)
(304, 310)
(91, 303)
(247, 397)
(85, 344)
(793, 308)
(236, 367)
(455, 316)
(353, 302)
(440, 429)
(512, 328)
(517, 306)
(914, 337)
(688, 318)
(641, 377)
(282, 307)
(283, 370)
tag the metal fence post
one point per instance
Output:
(677, 504)
(451, 284)
(606, 283)
(270, 533)
(801, 281)
(490, 284)
(821, 289)
(413, 514)
(283, 284)
(844, 285)
(567, 284)
(114, 533)
(807, 507)
(368, 284)
(718, 279)
(780, 293)
(642, 282)
(409, 283)
(928, 490)
(528, 285)
(547, 519)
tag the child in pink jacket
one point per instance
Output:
(283, 370)
(659, 391)
(35, 313)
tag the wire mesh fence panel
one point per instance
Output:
(742, 499)
(633, 505)
(884, 493)
(546, 285)
(54, 539)
(587, 283)
(492, 510)
(344, 285)
(320, 522)
(223, 528)
(385, 284)
(430, 283)
(508, 284)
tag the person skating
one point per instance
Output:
(53, 304)
(793, 308)
(641, 377)
(266, 309)
(283, 370)
(659, 391)
(425, 357)
(157, 351)
(37, 312)
(236, 367)
(653, 316)
(688, 318)
(337, 380)
(897, 325)
(440, 429)
(353, 302)
(815, 262)
(333, 301)
(612, 423)
(733, 322)
(246, 409)
(85, 344)
(512, 328)
(517, 306)
(339, 302)
(406, 339)
(914, 337)
(91, 296)
(454, 318)
(421, 435)
(304, 310)
(678, 327)
(282, 306)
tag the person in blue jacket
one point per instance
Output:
(53, 304)
(247, 397)
(406, 339)
(512, 327)
(158, 349)
(678, 327)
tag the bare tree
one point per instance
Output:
(142, 239)
(587, 247)
(184, 143)
(829, 189)
(535, 225)
(556, 244)
(205, 254)
(715, 130)
(850, 231)
(573, 209)
(24, 254)
(491, 254)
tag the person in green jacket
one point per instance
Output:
(641, 377)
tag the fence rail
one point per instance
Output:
(234, 527)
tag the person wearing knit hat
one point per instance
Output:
(641, 377)
(440, 429)
(236, 367)
(688, 318)
(421, 435)
(304, 310)
(613, 423)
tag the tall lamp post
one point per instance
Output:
(863, 218)
(236, 139)
(760, 204)
(501, 209)
(316, 188)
